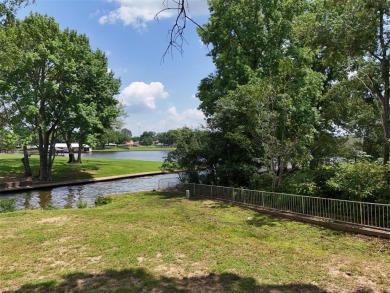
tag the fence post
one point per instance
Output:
(262, 199)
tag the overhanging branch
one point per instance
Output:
(176, 37)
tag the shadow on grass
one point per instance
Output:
(260, 220)
(12, 170)
(139, 280)
(11, 167)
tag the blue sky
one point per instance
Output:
(159, 94)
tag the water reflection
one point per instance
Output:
(69, 196)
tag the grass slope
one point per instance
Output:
(11, 167)
(161, 242)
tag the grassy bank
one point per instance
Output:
(11, 167)
(159, 242)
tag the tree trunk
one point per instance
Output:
(26, 163)
(386, 128)
(44, 160)
(79, 153)
(386, 83)
(43, 165)
(71, 158)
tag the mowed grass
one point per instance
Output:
(162, 242)
(11, 166)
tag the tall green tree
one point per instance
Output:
(274, 119)
(247, 38)
(263, 96)
(43, 82)
(94, 109)
(147, 137)
(355, 37)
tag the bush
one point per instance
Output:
(7, 205)
(312, 182)
(49, 206)
(300, 182)
(81, 204)
(362, 182)
(261, 181)
(102, 200)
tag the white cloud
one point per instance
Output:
(164, 121)
(193, 117)
(141, 96)
(138, 13)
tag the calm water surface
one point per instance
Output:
(158, 156)
(68, 196)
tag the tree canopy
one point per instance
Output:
(292, 80)
(53, 83)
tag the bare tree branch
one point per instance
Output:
(176, 37)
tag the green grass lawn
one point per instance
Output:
(11, 167)
(162, 242)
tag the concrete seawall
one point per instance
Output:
(16, 186)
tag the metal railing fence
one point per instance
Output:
(365, 214)
(166, 183)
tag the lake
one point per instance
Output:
(158, 156)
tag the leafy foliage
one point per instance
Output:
(362, 181)
(7, 205)
(54, 83)
(81, 204)
(102, 200)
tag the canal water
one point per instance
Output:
(69, 196)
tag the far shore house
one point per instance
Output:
(131, 143)
(63, 148)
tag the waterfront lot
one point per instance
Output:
(162, 242)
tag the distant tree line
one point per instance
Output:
(147, 138)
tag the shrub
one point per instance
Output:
(300, 182)
(362, 182)
(81, 204)
(102, 200)
(261, 181)
(49, 206)
(7, 205)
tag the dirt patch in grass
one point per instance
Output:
(53, 220)
(352, 275)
